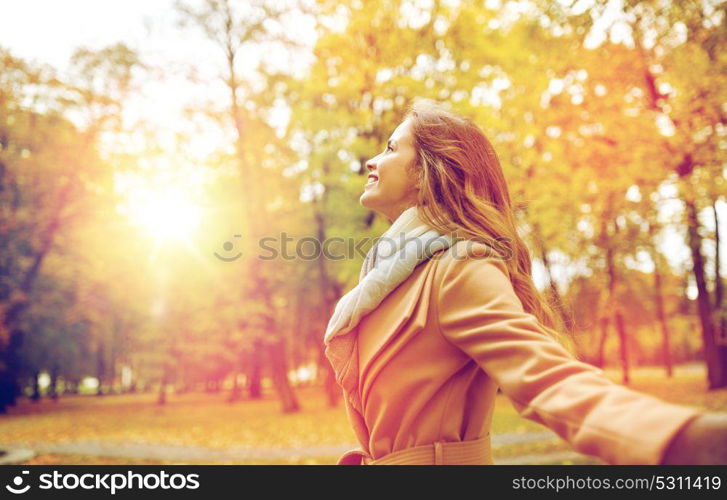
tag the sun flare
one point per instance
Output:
(167, 212)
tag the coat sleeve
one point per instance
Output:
(479, 312)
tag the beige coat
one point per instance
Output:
(431, 356)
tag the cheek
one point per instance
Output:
(394, 178)
(402, 182)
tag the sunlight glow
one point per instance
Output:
(167, 212)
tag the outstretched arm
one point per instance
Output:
(480, 313)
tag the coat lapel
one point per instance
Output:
(406, 304)
(352, 354)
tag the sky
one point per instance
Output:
(48, 31)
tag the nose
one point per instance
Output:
(371, 164)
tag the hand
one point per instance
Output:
(703, 441)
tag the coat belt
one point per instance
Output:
(472, 452)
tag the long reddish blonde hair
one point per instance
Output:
(463, 192)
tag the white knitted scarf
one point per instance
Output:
(406, 244)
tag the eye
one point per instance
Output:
(389, 148)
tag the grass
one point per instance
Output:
(207, 420)
(191, 419)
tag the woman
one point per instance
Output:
(445, 312)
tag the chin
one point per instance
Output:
(365, 201)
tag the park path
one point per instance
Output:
(181, 453)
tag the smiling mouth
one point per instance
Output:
(373, 179)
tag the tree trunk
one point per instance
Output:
(612, 299)
(623, 343)
(279, 369)
(100, 367)
(235, 392)
(9, 387)
(715, 355)
(659, 303)
(10, 358)
(256, 215)
(36, 387)
(720, 310)
(162, 399)
(54, 381)
(661, 317)
(255, 376)
(330, 291)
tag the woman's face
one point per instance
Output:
(390, 188)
